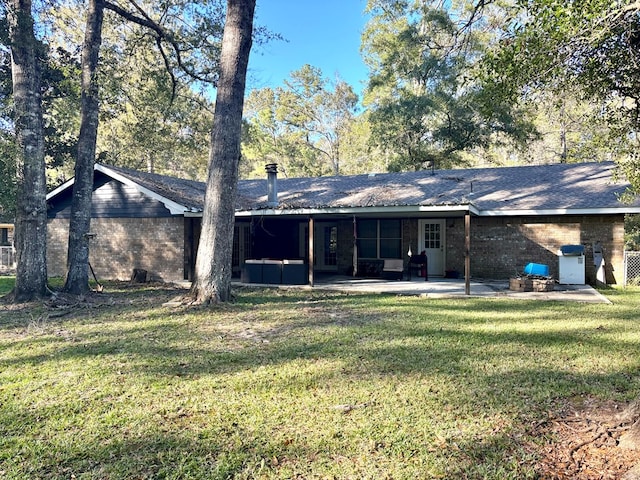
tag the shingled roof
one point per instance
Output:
(558, 188)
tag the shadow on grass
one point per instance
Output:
(459, 349)
(367, 340)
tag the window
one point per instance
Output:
(380, 238)
(390, 239)
(432, 235)
(368, 238)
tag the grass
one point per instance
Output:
(298, 384)
(6, 284)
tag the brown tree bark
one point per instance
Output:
(77, 281)
(212, 282)
(31, 211)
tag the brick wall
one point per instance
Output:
(502, 246)
(499, 246)
(122, 244)
(57, 242)
(454, 245)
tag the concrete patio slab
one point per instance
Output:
(443, 288)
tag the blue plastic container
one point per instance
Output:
(537, 269)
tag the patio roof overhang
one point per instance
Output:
(371, 211)
(458, 210)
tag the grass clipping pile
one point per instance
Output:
(590, 441)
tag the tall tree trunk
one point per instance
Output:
(77, 281)
(213, 262)
(31, 210)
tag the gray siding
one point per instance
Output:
(112, 200)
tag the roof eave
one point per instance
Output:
(399, 209)
(173, 207)
(59, 189)
(559, 211)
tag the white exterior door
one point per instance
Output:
(431, 238)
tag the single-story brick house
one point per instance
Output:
(504, 218)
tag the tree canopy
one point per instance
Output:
(578, 50)
(453, 83)
(427, 105)
(153, 83)
(302, 125)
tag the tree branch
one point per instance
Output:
(167, 65)
(161, 34)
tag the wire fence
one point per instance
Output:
(631, 268)
(7, 258)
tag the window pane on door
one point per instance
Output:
(432, 235)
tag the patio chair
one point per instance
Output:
(419, 263)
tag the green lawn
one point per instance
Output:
(286, 384)
(6, 284)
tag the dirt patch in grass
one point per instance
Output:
(583, 443)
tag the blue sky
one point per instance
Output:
(322, 33)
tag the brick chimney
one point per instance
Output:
(272, 184)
